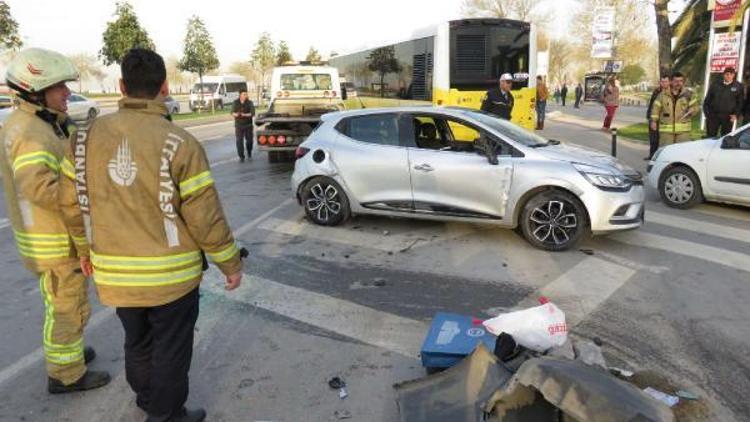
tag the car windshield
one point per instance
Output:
(306, 82)
(508, 129)
(207, 87)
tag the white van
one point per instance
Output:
(302, 82)
(220, 90)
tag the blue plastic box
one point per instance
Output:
(451, 338)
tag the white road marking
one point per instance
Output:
(712, 229)
(625, 262)
(4, 222)
(370, 326)
(225, 161)
(252, 224)
(207, 125)
(721, 211)
(10, 372)
(392, 242)
(719, 256)
(582, 289)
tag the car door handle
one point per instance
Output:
(424, 167)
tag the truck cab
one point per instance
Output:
(299, 96)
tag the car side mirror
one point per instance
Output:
(730, 142)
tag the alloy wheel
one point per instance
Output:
(554, 222)
(325, 202)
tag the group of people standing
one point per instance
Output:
(130, 203)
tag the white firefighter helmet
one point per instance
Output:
(36, 69)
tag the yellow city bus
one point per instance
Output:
(451, 64)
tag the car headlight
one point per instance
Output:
(603, 178)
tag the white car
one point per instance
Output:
(82, 109)
(712, 169)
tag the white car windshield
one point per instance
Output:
(306, 82)
(508, 129)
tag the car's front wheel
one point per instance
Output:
(679, 187)
(91, 114)
(325, 202)
(554, 220)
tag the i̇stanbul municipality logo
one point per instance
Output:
(122, 168)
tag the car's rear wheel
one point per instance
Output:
(679, 187)
(91, 114)
(554, 220)
(325, 202)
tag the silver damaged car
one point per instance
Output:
(455, 164)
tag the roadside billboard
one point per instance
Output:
(603, 33)
(725, 51)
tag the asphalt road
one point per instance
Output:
(355, 301)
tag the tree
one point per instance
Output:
(88, 67)
(9, 38)
(283, 55)
(632, 74)
(263, 58)
(313, 56)
(559, 59)
(383, 61)
(122, 34)
(664, 35)
(524, 10)
(199, 54)
(690, 31)
(175, 76)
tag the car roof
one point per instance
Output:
(448, 111)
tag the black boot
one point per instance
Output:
(89, 381)
(89, 354)
(195, 415)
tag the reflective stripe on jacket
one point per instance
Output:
(142, 190)
(675, 113)
(30, 167)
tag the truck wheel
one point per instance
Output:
(325, 202)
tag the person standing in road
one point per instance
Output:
(579, 95)
(557, 94)
(673, 111)
(723, 104)
(499, 101)
(542, 93)
(611, 100)
(33, 140)
(564, 93)
(243, 111)
(141, 190)
(653, 134)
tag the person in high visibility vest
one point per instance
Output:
(33, 140)
(140, 188)
(673, 111)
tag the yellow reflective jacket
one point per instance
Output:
(148, 204)
(32, 149)
(675, 113)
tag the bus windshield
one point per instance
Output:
(306, 82)
(208, 88)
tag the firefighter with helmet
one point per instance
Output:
(33, 141)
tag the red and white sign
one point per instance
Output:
(725, 51)
(726, 9)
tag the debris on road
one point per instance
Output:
(565, 351)
(587, 251)
(665, 398)
(342, 414)
(379, 282)
(451, 338)
(337, 383)
(386, 232)
(621, 372)
(539, 328)
(686, 395)
(589, 353)
(411, 245)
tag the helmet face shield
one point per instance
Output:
(35, 69)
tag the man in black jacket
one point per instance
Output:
(653, 135)
(579, 95)
(243, 111)
(723, 104)
(499, 101)
(564, 93)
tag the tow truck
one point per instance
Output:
(299, 96)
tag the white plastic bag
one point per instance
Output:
(539, 328)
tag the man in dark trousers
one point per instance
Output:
(499, 101)
(564, 93)
(243, 111)
(579, 95)
(723, 104)
(653, 135)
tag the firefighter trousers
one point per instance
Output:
(67, 310)
(668, 138)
